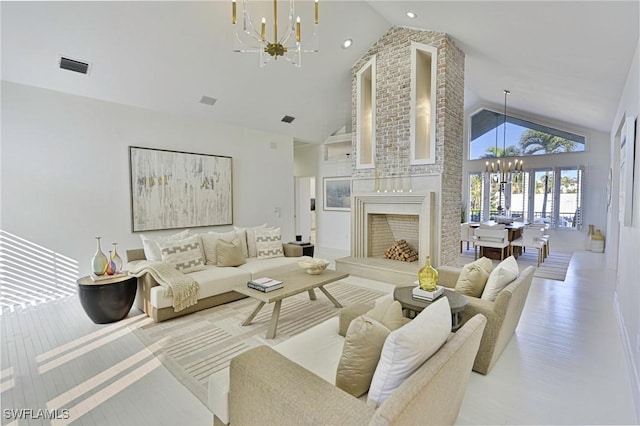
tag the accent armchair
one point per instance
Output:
(502, 315)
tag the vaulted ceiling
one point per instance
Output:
(563, 60)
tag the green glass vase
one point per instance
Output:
(428, 277)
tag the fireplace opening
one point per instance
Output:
(389, 231)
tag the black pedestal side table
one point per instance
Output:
(107, 300)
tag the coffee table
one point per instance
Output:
(294, 283)
(457, 302)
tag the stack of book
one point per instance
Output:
(265, 284)
(418, 293)
(104, 277)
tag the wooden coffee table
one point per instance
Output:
(457, 302)
(294, 283)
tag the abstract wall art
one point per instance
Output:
(172, 189)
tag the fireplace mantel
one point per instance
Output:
(420, 204)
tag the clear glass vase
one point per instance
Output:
(116, 259)
(110, 265)
(428, 277)
(99, 262)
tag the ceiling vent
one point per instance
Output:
(288, 119)
(74, 65)
(208, 100)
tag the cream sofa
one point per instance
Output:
(293, 383)
(216, 283)
(502, 315)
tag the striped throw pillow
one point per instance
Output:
(185, 255)
(269, 243)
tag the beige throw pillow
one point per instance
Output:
(388, 313)
(473, 277)
(230, 253)
(210, 244)
(500, 277)
(360, 354)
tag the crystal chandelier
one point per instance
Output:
(287, 44)
(504, 172)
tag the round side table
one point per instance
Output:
(457, 302)
(107, 300)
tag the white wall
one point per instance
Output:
(65, 168)
(628, 237)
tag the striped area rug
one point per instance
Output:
(554, 266)
(197, 345)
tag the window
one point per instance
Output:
(550, 195)
(522, 137)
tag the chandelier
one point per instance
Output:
(288, 44)
(502, 171)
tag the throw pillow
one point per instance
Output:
(269, 243)
(360, 354)
(249, 241)
(150, 244)
(210, 244)
(230, 253)
(473, 277)
(500, 277)
(185, 255)
(408, 347)
(389, 313)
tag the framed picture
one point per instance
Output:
(337, 193)
(627, 165)
(172, 189)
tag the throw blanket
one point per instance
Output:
(183, 288)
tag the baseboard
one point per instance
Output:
(628, 355)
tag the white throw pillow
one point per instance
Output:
(150, 244)
(500, 277)
(247, 237)
(185, 255)
(210, 243)
(268, 243)
(408, 347)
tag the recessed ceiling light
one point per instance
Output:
(208, 100)
(347, 43)
(412, 15)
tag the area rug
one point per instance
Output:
(554, 266)
(197, 345)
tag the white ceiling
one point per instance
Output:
(562, 60)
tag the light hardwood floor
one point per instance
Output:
(565, 365)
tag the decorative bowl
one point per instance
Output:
(314, 266)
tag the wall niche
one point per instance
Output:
(423, 96)
(366, 111)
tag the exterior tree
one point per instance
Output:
(536, 142)
(510, 151)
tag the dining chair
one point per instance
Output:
(531, 238)
(466, 235)
(494, 238)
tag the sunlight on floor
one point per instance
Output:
(31, 274)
